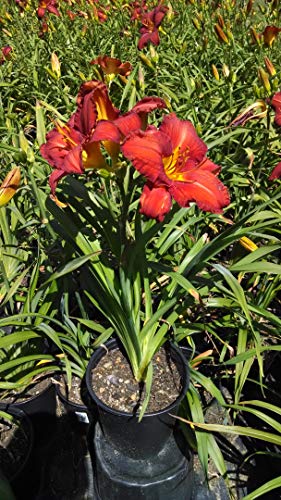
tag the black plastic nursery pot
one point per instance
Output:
(41, 408)
(140, 460)
(79, 412)
(43, 403)
(19, 474)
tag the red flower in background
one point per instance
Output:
(276, 103)
(111, 65)
(138, 9)
(47, 6)
(150, 24)
(173, 160)
(269, 35)
(6, 51)
(276, 172)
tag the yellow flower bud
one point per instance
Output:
(9, 186)
(146, 60)
(225, 70)
(264, 79)
(55, 64)
(196, 23)
(248, 244)
(153, 54)
(215, 72)
(141, 78)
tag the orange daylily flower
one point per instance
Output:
(112, 66)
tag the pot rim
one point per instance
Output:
(115, 343)
(76, 406)
(20, 404)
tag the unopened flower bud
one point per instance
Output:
(215, 72)
(221, 21)
(269, 66)
(225, 70)
(141, 78)
(153, 54)
(55, 64)
(146, 60)
(196, 23)
(249, 6)
(9, 186)
(220, 34)
(264, 79)
(256, 38)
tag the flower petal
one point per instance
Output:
(207, 164)
(54, 178)
(60, 141)
(108, 133)
(93, 104)
(276, 172)
(148, 104)
(145, 150)
(106, 130)
(183, 137)
(155, 202)
(92, 156)
(202, 187)
(147, 36)
(276, 103)
(128, 123)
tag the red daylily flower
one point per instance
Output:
(6, 51)
(150, 24)
(71, 15)
(47, 5)
(67, 148)
(173, 160)
(276, 172)
(112, 66)
(111, 134)
(138, 9)
(276, 103)
(63, 151)
(75, 146)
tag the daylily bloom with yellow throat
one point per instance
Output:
(269, 35)
(173, 161)
(47, 6)
(75, 146)
(112, 66)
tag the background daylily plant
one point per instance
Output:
(172, 159)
